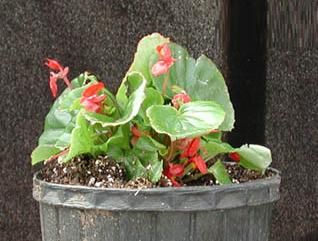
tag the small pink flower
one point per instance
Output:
(164, 62)
(91, 100)
(58, 72)
(180, 99)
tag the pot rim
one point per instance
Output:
(189, 198)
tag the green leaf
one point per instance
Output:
(145, 49)
(147, 143)
(136, 84)
(120, 138)
(85, 140)
(199, 78)
(220, 173)
(191, 120)
(133, 166)
(59, 123)
(42, 152)
(254, 157)
(81, 140)
(151, 164)
(212, 148)
(155, 171)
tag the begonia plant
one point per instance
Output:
(166, 119)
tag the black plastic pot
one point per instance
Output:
(229, 212)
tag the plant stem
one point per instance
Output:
(188, 168)
(57, 155)
(165, 84)
(171, 151)
(194, 177)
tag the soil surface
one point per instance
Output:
(104, 172)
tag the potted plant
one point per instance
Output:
(149, 163)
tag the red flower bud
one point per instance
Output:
(234, 156)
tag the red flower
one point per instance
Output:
(234, 156)
(180, 99)
(192, 148)
(59, 72)
(136, 134)
(199, 163)
(90, 98)
(172, 171)
(165, 60)
(54, 65)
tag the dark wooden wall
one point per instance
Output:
(273, 86)
(291, 120)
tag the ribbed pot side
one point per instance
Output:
(221, 213)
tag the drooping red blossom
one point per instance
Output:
(135, 131)
(58, 72)
(192, 148)
(53, 65)
(172, 171)
(91, 100)
(199, 163)
(164, 62)
(234, 156)
(180, 99)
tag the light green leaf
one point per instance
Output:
(199, 78)
(191, 120)
(254, 157)
(220, 173)
(42, 152)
